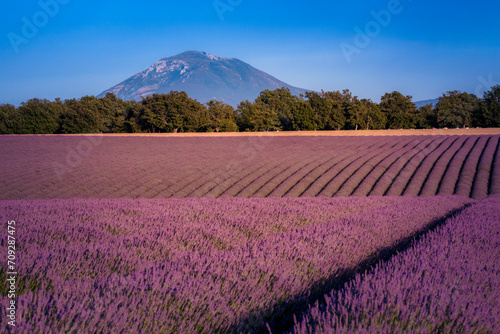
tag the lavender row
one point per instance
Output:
(353, 182)
(426, 168)
(408, 168)
(322, 181)
(451, 176)
(482, 177)
(193, 265)
(77, 167)
(449, 282)
(375, 172)
(436, 175)
(382, 185)
(470, 169)
(346, 173)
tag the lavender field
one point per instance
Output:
(252, 234)
(148, 167)
(191, 265)
(447, 283)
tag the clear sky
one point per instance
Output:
(423, 48)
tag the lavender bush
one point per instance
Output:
(470, 168)
(404, 176)
(495, 172)
(386, 181)
(382, 174)
(434, 177)
(449, 282)
(348, 173)
(482, 178)
(375, 172)
(421, 174)
(451, 177)
(323, 180)
(193, 265)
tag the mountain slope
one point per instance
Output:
(426, 102)
(203, 76)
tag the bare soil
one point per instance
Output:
(424, 132)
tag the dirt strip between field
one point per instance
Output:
(348, 133)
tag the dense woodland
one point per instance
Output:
(271, 111)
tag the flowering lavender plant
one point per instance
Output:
(449, 282)
(194, 265)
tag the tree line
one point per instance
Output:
(272, 110)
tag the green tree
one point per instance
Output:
(9, 119)
(355, 113)
(363, 113)
(282, 103)
(244, 113)
(373, 117)
(113, 113)
(426, 117)
(490, 108)
(456, 109)
(399, 110)
(328, 110)
(256, 117)
(81, 116)
(90, 114)
(172, 112)
(37, 116)
(221, 117)
(302, 116)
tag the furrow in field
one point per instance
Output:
(116, 181)
(308, 179)
(89, 174)
(244, 182)
(233, 173)
(450, 178)
(469, 168)
(172, 187)
(322, 181)
(495, 173)
(184, 188)
(434, 177)
(400, 183)
(374, 175)
(385, 181)
(418, 178)
(380, 151)
(234, 180)
(481, 187)
(280, 176)
(350, 184)
(151, 180)
(293, 179)
(258, 183)
(308, 182)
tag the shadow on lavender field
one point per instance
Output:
(199, 265)
(448, 282)
(285, 314)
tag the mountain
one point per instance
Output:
(203, 77)
(426, 102)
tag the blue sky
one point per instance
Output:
(420, 48)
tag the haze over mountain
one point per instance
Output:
(203, 77)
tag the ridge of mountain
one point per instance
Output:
(203, 77)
